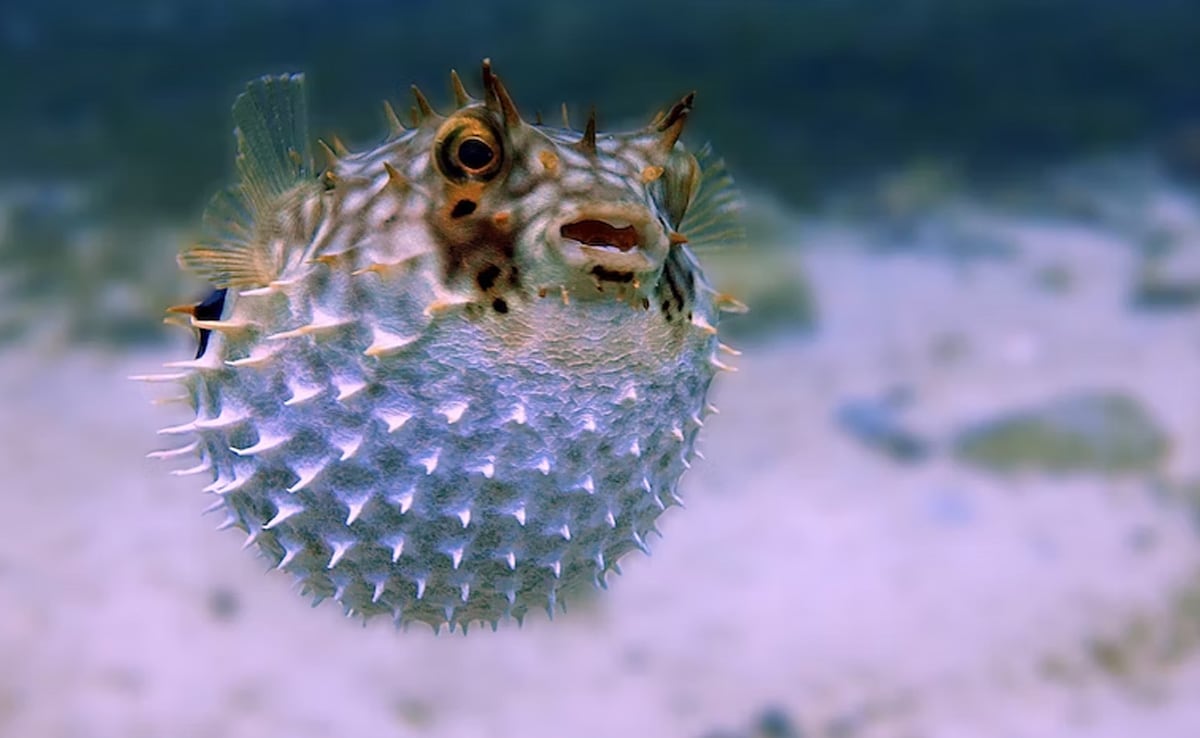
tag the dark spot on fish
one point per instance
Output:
(462, 208)
(487, 277)
(676, 288)
(472, 245)
(210, 308)
(513, 276)
(610, 275)
(499, 305)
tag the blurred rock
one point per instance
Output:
(874, 423)
(223, 603)
(1169, 278)
(1104, 432)
(1055, 279)
(1155, 292)
(772, 722)
(775, 723)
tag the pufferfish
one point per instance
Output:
(448, 378)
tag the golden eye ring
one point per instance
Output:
(468, 147)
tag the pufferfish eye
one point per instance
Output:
(468, 148)
(475, 154)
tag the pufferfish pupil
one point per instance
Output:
(445, 379)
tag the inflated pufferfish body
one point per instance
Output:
(447, 377)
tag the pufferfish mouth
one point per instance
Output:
(601, 234)
(617, 239)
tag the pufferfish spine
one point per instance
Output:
(448, 377)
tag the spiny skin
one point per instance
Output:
(444, 392)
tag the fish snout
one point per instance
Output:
(611, 242)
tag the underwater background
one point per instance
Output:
(953, 490)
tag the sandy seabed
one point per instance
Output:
(861, 596)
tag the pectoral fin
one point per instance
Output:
(274, 157)
(713, 217)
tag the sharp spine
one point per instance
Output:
(331, 157)
(225, 419)
(423, 107)
(164, 377)
(703, 325)
(302, 394)
(395, 180)
(284, 510)
(385, 343)
(518, 415)
(338, 147)
(498, 99)
(207, 362)
(339, 552)
(629, 396)
(404, 500)
(395, 127)
(289, 555)
(178, 430)
(349, 447)
(355, 510)
(319, 322)
(347, 390)
(172, 453)
(453, 412)
(306, 477)
(461, 98)
(671, 126)
(204, 465)
(430, 462)
(587, 143)
(258, 357)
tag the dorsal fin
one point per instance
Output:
(713, 217)
(273, 157)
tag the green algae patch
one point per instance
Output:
(1085, 432)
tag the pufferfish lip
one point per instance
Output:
(622, 238)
